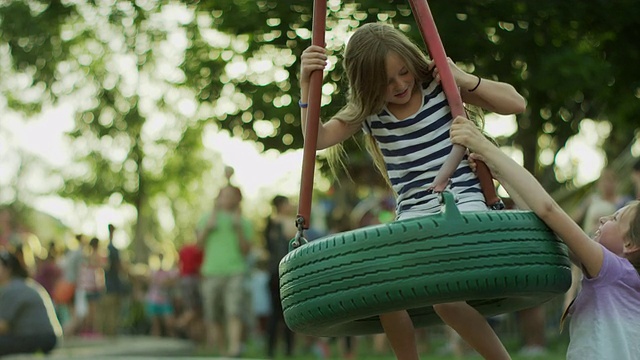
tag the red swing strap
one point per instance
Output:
(422, 14)
(313, 121)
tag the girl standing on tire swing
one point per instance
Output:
(605, 314)
(395, 97)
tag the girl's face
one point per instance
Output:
(613, 230)
(400, 81)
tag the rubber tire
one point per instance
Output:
(497, 261)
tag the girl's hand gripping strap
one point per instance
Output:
(313, 121)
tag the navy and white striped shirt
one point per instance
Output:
(415, 148)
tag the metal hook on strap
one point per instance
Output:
(299, 239)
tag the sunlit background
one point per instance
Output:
(260, 175)
(179, 71)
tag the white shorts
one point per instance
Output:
(469, 206)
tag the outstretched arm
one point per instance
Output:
(495, 96)
(334, 131)
(518, 200)
(515, 177)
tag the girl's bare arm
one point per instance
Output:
(519, 202)
(333, 131)
(507, 171)
(495, 96)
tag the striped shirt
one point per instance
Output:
(415, 148)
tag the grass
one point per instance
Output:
(431, 349)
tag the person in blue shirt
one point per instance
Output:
(28, 323)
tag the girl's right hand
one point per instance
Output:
(463, 79)
(313, 58)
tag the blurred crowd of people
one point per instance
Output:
(222, 291)
(219, 290)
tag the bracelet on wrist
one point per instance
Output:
(303, 105)
(478, 84)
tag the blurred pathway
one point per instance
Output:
(124, 347)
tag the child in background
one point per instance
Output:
(190, 258)
(91, 287)
(260, 297)
(158, 304)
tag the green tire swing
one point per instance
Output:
(497, 261)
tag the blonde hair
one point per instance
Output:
(364, 64)
(633, 235)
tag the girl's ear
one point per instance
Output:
(630, 248)
(634, 257)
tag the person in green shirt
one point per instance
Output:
(225, 235)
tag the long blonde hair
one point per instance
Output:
(364, 64)
(634, 236)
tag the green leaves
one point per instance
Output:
(147, 76)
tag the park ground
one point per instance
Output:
(147, 347)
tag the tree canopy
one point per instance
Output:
(148, 77)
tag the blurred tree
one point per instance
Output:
(136, 140)
(569, 60)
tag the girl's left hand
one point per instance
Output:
(473, 160)
(464, 132)
(463, 80)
